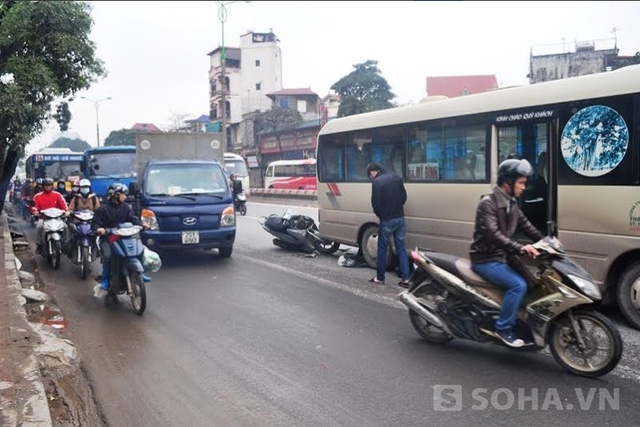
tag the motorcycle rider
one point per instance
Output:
(75, 188)
(236, 185)
(84, 199)
(109, 215)
(498, 217)
(46, 199)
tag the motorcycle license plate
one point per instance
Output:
(190, 237)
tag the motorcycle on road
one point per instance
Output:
(240, 203)
(297, 232)
(126, 269)
(81, 249)
(53, 231)
(447, 300)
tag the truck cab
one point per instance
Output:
(185, 199)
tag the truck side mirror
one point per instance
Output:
(133, 188)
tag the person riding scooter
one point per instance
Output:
(45, 200)
(84, 199)
(498, 217)
(109, 215)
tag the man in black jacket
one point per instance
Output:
(388, 197)
(497, 219)
(109, 215)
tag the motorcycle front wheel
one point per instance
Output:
(54, 256)
(243, 209)
(602, 348)
(326, 247)
(137, 291)
(84, 261)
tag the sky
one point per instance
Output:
(156, 52)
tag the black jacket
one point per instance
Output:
(109, 215)
(388, 196)
(492, 238)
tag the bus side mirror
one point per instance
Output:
(133, 188)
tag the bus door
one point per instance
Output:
(530, 140)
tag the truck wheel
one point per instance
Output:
(226, 252)
(628, 295)
(369, 245)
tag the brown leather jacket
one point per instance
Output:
(493, 235)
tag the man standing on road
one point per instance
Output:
(388, 197)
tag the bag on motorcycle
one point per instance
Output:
(277, 223)
(151, 261)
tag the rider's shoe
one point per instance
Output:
(145, 278)
(510, 339)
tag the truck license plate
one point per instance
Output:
(190, 237)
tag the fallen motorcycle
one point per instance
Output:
(447, 300)
(293, 231)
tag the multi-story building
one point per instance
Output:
(576, 59)
(454, 86)
(251, 71)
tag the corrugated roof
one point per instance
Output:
(202, 119)
(453, 86)
(299, 91)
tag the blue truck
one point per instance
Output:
(182, 192)
(105, 165)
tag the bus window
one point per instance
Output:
(359, 155)
(331, 158)
(269, 173)
(529, 141)
(391, 141)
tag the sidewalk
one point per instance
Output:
(23, 401)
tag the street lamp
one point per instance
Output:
(222, 16)
(96, 104)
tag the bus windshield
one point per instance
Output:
(114, 165)
(54, 166)
(236, 167)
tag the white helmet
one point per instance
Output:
(85, 187)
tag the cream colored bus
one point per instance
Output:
(581, 135)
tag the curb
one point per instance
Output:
(16, 411)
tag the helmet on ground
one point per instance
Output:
(117, 188)
(510, 169)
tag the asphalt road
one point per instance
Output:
(275, 338)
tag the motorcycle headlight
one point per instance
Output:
(587, 286)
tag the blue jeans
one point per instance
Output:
(501, 274)
(397, 228)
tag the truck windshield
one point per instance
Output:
(114, 165)
(188, 179)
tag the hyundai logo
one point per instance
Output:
(189, 220)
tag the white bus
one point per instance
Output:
(291, 174)
(236, 165)
(581, 135)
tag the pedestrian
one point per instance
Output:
(388, 197)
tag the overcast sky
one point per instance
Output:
(156, 52)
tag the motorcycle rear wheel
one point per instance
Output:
(564, 346)
(138, 292)
(424, 328)
(243, 209)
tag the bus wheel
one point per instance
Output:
(369, 246)
(628, 294)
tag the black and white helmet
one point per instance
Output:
(510, 169)
(117, 188)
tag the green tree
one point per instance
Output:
(363, 90)
(75, 144)
(121, 137)
(278, 119)
(45, 56)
